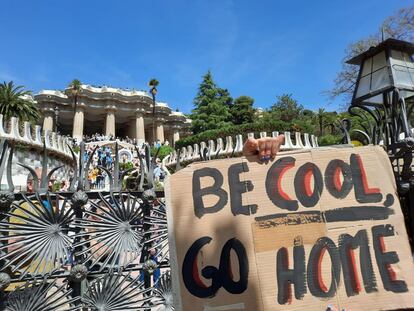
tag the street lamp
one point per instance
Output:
(384, 98)
(56, 110)
(153, 90)
(383, 69)
(385, 90)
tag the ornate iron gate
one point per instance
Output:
(83, 250)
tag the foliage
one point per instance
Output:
(356, 143)
(14, 104)
(153, 83)
(211, 106)
(242, 111)
(125, 166)
(329, 139)
(164, 151)
(233, 130)
(399, 26)
(56, 186)
(75, 87)
(286, 108)
(285, 115)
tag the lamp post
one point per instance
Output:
(385, 89)
(56, 110)
(384, 98)
(153, 90)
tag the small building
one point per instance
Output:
(112, 112)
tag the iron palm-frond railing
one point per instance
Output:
(112, 232)
(35, 235)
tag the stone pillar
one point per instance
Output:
(176, 136)
(139, 128)
(48, 120)
(110, 122)
(159, 132)
(78, 123)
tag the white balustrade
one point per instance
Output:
(229, 145)
(299, 143)
(54, 141)
(47, 139)
(2, 131)
(239, 144)
(14, 128)
(195, 152)
(220, 146)
(38, 131)
(33, 137)
(211, 149)
(288, 145)
(189, 156)
(183, 154)
(307, 142)
(27, 134)
(314, 141)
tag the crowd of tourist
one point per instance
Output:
(108, 138)
(104, 157)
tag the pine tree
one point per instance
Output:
(211, 106)
(286, 108)
(242, 110)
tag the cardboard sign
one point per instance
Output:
(307, 230)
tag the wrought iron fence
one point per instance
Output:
(83, 250)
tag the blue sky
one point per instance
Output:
(256, 48)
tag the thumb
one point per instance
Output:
(250, 147)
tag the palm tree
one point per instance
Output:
(75, 87)
(153, 89)
(320, 117)
(14, 103)
(330, 120)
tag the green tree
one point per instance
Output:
(320, 119)
(399, 26)
(286, 108)
(74, 89)
(153, 83)
(242, 110)
(331, 118)
(14, 103)
(211, 106)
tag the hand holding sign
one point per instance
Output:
(266, 148)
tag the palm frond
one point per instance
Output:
(14, 104)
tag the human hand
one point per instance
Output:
(265, 148)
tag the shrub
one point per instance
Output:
(243, 129)
(164, 151)
(125, 166)
(327, 140)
